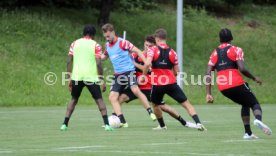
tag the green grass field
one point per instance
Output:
(32, 131)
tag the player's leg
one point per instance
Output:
(116, 88)
(177, 94)
(77, 87)
(252, 101)
(96, 93)
(245, 115)
(173, 113)
(157, 94)
(132, 83)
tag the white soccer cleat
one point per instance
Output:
(263, 127)
(191, 125)
(160, 128)
(252, 136)
(200, 127)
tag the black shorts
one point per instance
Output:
(241, 95)
(122, 81)
(173, 90)
(93, 88)
(131, 96)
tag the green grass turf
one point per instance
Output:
(27, 131)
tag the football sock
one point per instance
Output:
(114, 114)
(66, 120)
(161, 122)
(122, 118)
(181, 120)
(196, 119)
(149, 110)
(257, 111)
(105, 119)
(247, 129)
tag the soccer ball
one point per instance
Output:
(114, 121)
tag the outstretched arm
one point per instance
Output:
(209, 97)
(246, 72)
(147, 61)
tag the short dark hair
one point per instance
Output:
(150, 39)
(107, 27)
(225, 35)
(161, 33)
(89, 30)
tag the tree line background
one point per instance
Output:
(106, 6)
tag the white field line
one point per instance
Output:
(5, 151)
(244, 140)
(141, 152)
(157, 144)
(79, 147)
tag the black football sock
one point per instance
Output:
(161, 122)
(247, 129)
(181, 120)
(105, 119)
(66, 120)
(114, 114)
(149, 110)
(122, 118)
(196, 119)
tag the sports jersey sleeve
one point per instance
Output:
(134, 55)
(71, 49)
(173, 57)
(213, 59)
(240, 54)
(98, 50)
(126, 45)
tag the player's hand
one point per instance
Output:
(259, 81)
(141, 79)
(70, 85)
(103, 87)
(209, 98)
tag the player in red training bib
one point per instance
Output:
(228, 61)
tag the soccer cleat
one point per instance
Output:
(191, 125)
(252, 136)
(160, 128)
(153, 117)
(108, 128)
(263, 127)
(123, 125)
(63, 127)
(200, 127)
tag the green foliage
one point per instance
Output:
(36, 41)
(136, 5)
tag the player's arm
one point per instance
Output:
(175, 69)
(70, 65)
(69, 70)
(209, 97)
(246, 72)
(98, 55)
(242, 68)
(104, 56)
(126, 45)
(139, 66)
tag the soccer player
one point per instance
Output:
(145, 85)
(84, 62)
(228, 61)
(118, 51)
(164, 70)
